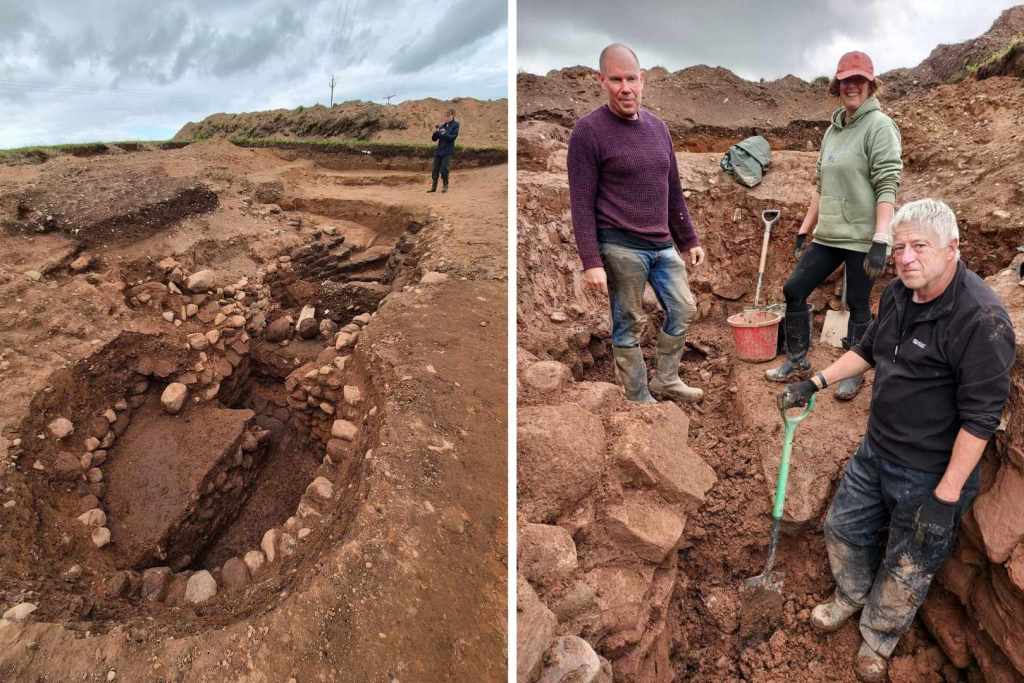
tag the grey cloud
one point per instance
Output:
(463, 24)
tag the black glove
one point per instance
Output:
(798, 251)
(874, 262)
(934, 516)
(797, 394)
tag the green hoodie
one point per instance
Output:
(859, 167)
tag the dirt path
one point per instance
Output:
(404, 578)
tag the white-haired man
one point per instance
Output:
(942, 346)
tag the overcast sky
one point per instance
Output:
(754, 39)
(105, 70)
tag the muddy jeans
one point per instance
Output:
(892, 581)
(628, 270)
(440, 168)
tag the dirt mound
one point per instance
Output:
(950, 63)
(483, 122)
(701, 105)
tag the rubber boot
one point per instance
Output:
(445, 187)
(433, 186)
(631, 372)
(848, 389)
(798, 342)
(830, 616)
(871, 666)
(666, 384)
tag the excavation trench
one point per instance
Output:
(250, 477)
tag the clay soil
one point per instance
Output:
(408, 581)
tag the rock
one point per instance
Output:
(546, 376)
(280, 330)
(33, 275)
(61, 427)
(201, 587)
(254, 561)
(307, 327)
(570, 659)
(168, 316)
(73, 573)
(173, 397)
(336, 448)
(644, 527)
(67, 466)
(546, 553)
(235, 574)
(560, 460)
(1015, 567)
(198, 341)
(82, 263)
(201, 281)
(722, 605)
(110, 415)
(269, 192)
(595, 396)
(328, 328)
(213, 336)
(651, 451)
(269, 544)
(945, 618)
(93, 518)
(361, 319)
(345, 430)
(998, 515)
(100, 536)
(344, 340)
(433, 277)
(155, 581)
(20, 612)
(86, 503)
(536, 628)
(321, 487)
(352, 395)
(94, 475)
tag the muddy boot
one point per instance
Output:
(444, 188)
(631, 372)
(871, 666)
(847, 389)
(798, 342)
(433, 187)
(830, 616)
(666, 384)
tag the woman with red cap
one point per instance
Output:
(857, 175)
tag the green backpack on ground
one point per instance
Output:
(747, 160)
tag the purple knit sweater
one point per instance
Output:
(623, 174)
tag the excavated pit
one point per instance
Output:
(255, 472)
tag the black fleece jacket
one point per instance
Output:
(949, 369)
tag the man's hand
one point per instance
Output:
(696, 255)
(797, 394)
(874, 262)
(935, 516)
(798, 251)
(595, 278)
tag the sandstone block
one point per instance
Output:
(321, 487)
(61, 427)
(560, 460)
(93, 518)
(546, 553)
(536, 628)
(547, 377)
(570, 659)
(651, 451)
(945, 618)
(345, 430)
(998, 514)
(100, 536)
(174, 397)
(643, 526)
(201, 587)
(235, 574)
(254, 561)
(269, 544)
(20, 612)
(202, 281)
(155, 581)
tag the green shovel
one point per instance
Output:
(765, 579)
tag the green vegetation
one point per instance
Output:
(1015, 43)
(355, 146)
(40, 153)
(821, 81)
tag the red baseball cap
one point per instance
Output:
(855, 64)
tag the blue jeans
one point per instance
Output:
(891, 581)
(628, 270)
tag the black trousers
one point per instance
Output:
(441, 168)
(817, 263)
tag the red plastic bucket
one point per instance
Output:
(756, 334)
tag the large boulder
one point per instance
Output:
(999, 515)
(644, 526)
(570, 659)
(650, 450)
(536, 627)
(560, 460)
(545, 553)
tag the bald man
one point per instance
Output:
(632, 226)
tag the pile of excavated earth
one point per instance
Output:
(236, 438)
(638, 525)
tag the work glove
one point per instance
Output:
(934, 516)
(798, 251)
(797, 394)
(874, 262)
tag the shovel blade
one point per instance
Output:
(769, 581)
(834, 329)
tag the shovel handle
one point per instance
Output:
(768, 216)
(787, 448)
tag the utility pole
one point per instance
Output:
(387, 99)
(332, 90)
